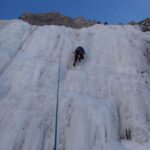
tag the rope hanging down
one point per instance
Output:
(58, 81)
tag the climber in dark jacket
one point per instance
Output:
(78, 54)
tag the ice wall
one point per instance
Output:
(103, 101)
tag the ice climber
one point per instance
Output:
(78, 54)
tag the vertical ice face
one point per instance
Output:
(103, 100)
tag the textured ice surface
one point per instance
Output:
(101, 100)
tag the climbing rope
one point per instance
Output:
(57, 101)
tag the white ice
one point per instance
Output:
(102, 98)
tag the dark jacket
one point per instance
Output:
(80, 50)
(79, 54)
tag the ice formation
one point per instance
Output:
(104, 102)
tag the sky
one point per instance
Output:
(112, 11)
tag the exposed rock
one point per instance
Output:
(55, 18)
(145, 28)
(133, 23)
(145, 24)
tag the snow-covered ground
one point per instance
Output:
(103, 101)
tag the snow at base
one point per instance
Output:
(104, 102)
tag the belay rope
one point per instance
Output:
(57, 100)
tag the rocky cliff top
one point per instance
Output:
(55, 18)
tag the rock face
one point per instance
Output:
(55, 18)
(145, 24)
